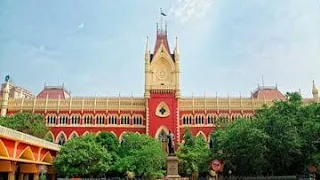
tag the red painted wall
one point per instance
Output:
(156, 122)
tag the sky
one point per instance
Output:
(97, 47)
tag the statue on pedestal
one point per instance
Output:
(171, 143)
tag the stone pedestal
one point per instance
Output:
(172, 167)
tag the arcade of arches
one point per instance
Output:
(25, 157)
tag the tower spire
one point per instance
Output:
(162, 14)
(147, 47)
(315, 91)
(5, 96)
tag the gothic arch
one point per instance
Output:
(114, 133)
(122, 134)
(209, 138)
(158, 56)
(3, 150)
(73, 135)
(61, 138)
(200, 133)
(85, 133)
(98, 132)
(50, 135)
(210, 145)
(47, 158)
(27, 154)
(158, 132)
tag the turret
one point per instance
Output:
(146, 67)
(162, 66)
(5, 97)
(315, 92)
(176, 53)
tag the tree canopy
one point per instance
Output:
(142, 155)
(281, 139)
(90, 156)
(111, 143)
(82, 157)
(194, 155)
(28, 123)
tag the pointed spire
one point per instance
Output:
(5, 97)
(177, 46)
(7, 87)
(315, 92)
(161, 39)
(147, 46)
(314, 88)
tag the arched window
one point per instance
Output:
(163, 136)
(75, 119)
(63, 119)
(113, 119)
(125, 119)
(212, 118)
(199, 119)
(73, 135)
(137, 120)
(49, 137)
(100, 119)
(51, 119)
(61, 139)
(87, 119)
(187, 119)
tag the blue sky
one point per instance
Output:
(97, 47)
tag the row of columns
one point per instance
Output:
(24, 170)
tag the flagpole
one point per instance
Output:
(161, 19)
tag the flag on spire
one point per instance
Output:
(162, 13)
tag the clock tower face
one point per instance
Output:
(162, 74)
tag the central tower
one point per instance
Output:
(162, 67)
(162, 88)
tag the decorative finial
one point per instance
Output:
(177, 46)
(314, 88)
(147, 45)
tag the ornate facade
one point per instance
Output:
(162, 108)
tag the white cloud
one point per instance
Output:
(184, 10)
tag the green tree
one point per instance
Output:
(108, 140)
(82, 157)
(28, 123)
(142, 155)
(280, 139)
(111, 143)
(194, 155)
(242, 146)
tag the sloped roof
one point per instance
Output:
(161, 38)
(54, 92)
(268, 93)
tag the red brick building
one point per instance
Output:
(162, 108)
